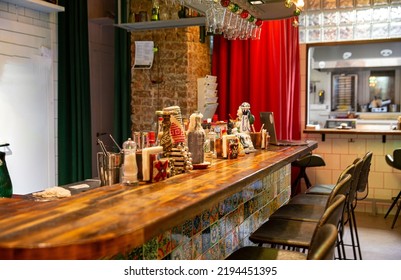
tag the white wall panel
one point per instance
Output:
(27, 102)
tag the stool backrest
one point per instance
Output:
(395, 160)
(334, 213)
(355, 179)
(364, 175)
(331, 217)
(323, 243)
(343, 184)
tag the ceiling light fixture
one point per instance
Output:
(347, 55)
(386, 52)
(256, 2)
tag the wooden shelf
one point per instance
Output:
(38, 5)
(150, 25)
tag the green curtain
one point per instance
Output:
(74, 112)
(122, 78)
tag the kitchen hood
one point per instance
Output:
(367, 55)
(266, 10)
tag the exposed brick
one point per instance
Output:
(180, 61)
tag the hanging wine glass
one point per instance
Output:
(219, 15)
(210, 21)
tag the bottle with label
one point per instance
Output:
(155, 11)
(6, 188)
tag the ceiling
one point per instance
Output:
(273, 9)
(269, 10)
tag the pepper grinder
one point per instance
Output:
(130, 168)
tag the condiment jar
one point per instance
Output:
(129, 168)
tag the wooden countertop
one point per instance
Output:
(104, 221)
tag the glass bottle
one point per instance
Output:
(155, 11)
(130, 168)
(212, 142)
(196, 139)
(6, 187)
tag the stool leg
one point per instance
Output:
(307, 182)
(396, 214)
(393, 204)
(356, 233)
(295, 184)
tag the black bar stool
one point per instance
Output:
(311, 160)
(395, 162)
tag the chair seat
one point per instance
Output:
(284, 232)
(303, 212)
(314, 199)
(261, 253)
(320, 189)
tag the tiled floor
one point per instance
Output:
(378, 241)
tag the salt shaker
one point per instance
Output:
(130, 168)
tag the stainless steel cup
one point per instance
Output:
(108, 167)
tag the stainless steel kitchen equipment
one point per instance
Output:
(344, 92)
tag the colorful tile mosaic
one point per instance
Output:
(216, 232)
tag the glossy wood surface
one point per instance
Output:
(105, 221)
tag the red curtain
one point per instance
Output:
(264, 73)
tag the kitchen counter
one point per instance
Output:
(356, 131)
(110, 222)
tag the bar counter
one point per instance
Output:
(202, 214)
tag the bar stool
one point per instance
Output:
(296, 233)
(321, 248)
(395, 162)
(311, 207)
(316, 195)
(310, 160)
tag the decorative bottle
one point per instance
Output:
(155, 11)
(196, 138)
(6, 187)
(212, 142)
(166, 141)
(130, 168)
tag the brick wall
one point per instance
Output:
(172, 80)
